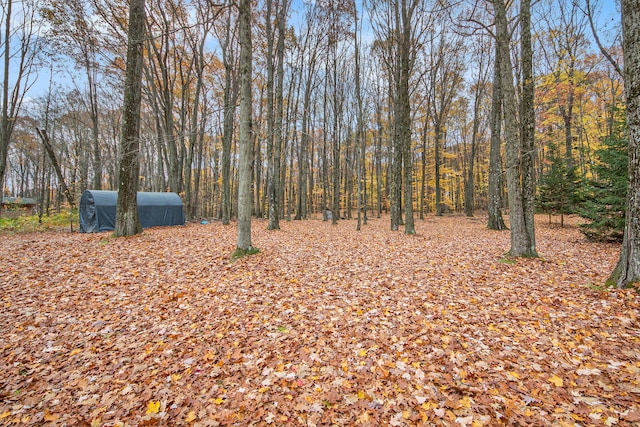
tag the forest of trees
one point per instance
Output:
(359, 108)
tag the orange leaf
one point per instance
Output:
(48, 416)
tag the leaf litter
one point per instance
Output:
(325, 326)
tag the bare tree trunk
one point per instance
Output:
(495, 159)
(325, 179)
(7, 124)
(378, 160)
(56, 166)
(93, 110)
(230, 98)
(403, 118)
(246, 140)
(256, 209)
(437, 141)
(423, 174)
(271, 178)
(348, 174)
(301, 201)
(337, 111)
(196, 208)
(519, 243)
(325, 159)
(359, 148)
(527, 123)
(310, 173)
(127, 221)
(275, 193)
(469, 187)
(395, 192)
(627, 270)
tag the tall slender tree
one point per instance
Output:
(269, 94)
(127, 220)
(360, 137)
(527, 124)
(275, 157)
(407, 52)
(522, 241)
(227, 35)
(246, 132)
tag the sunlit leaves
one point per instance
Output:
(556, 380)
(153, 407)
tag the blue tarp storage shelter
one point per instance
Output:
(98, 210)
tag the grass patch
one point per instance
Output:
(507, 260)
(601, 287)
(32, 223)
(241, 253)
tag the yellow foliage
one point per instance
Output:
(153, 407)
(556, 380)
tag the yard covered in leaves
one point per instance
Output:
(325, 326)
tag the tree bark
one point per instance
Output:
(495, 159)
(325, 158)
(230, 98)
(7, 124)
(527, 123)
(437, 130)
(301, 201)
(404, 119)
(627, 270)
(360, 138)
(271, 178)
(348, 173)
(396, 171)
(395, 177)
(378, 160)
(337, 111)
(246, 139)
(423, 175)
(275, 200)
(127, 221)
(520, 245)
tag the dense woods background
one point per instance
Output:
(358, 107)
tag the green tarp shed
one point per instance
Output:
(98, 210)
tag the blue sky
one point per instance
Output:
(608, 21)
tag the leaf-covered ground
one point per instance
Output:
(325, 326)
